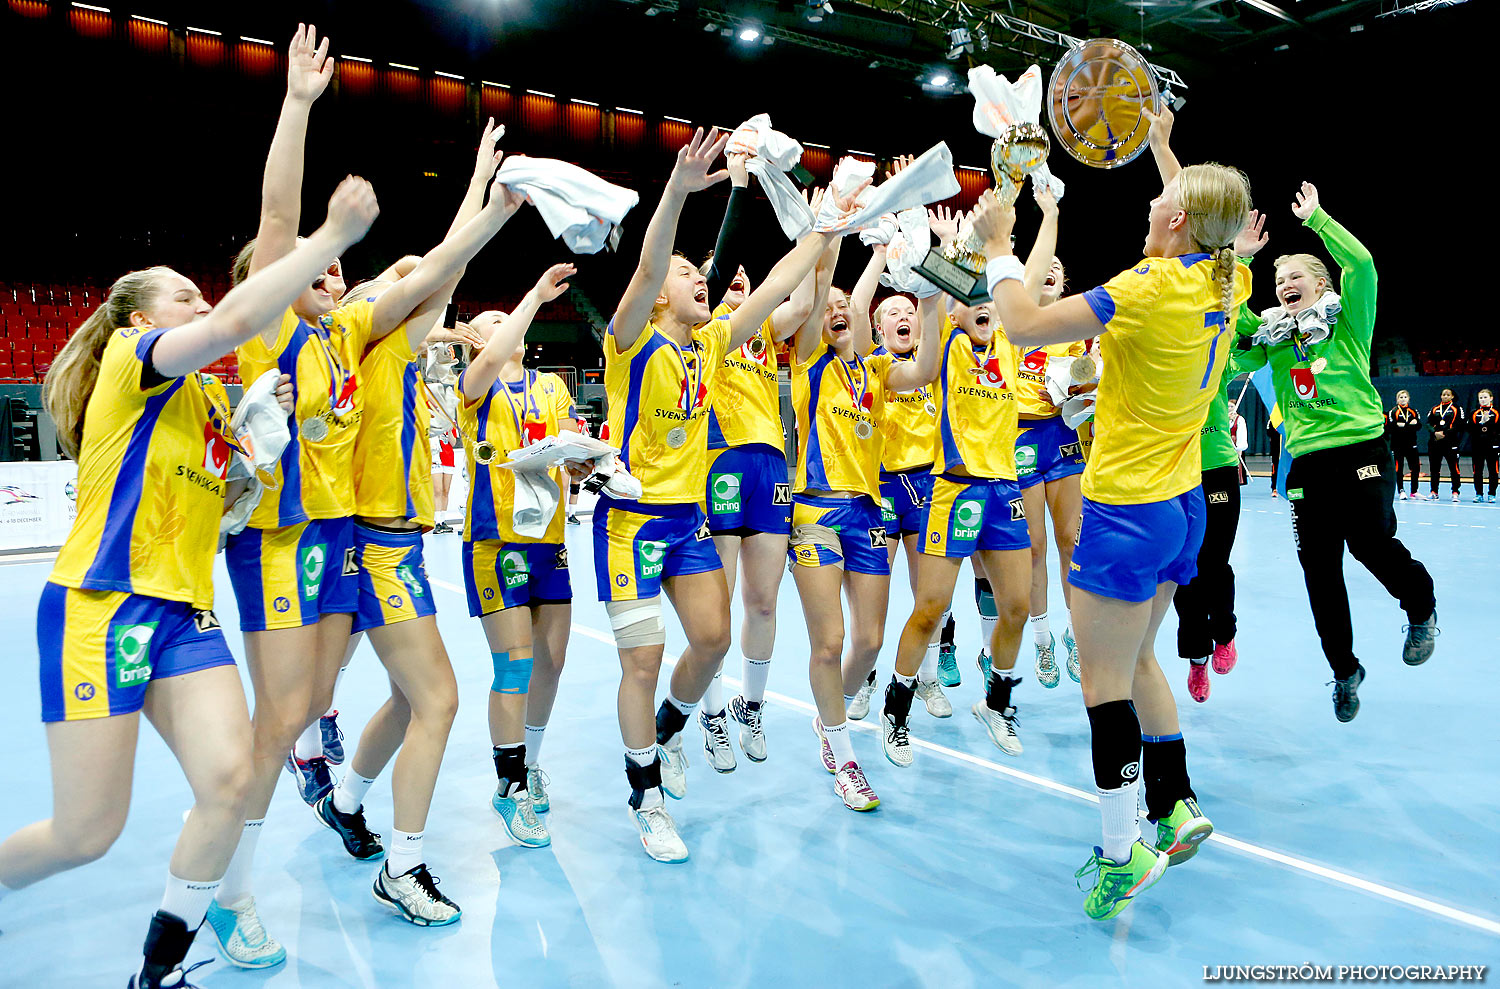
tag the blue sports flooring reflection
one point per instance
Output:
(1367, 843)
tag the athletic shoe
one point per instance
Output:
(1198, 684)
(415, 898)
(333, 739)
(442, 527)
(860, 706)
(931, 693)
(673, 769)
(659, 835)
(1116, 884)
(314, 782)
(518, 814)
(536, 785)
(1071, 645)
(853, 789)
(716, 741)
(983, 662)
(1421, 639)
(829, 762)
(574, 519)
(1180, 833)
(948, 665)
(1479, 499)
(1455, 497)
(1225, 656)
(1346, 694)
(175, 979)
(1047, 673)
(1403, 496)
(1004, 726)
(896, 742)
(359, 841)
(752, 738)
(241, 939)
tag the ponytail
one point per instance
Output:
(1216, 199)
(1225, 259)
(70, 381)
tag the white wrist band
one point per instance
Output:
(999, 269)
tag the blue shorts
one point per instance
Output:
(748, 491)
(292, 576)
(637, 546)
(1047, 450)
(968, 514)
(855, 526)
(100, 650)
(392, 577)
(903, 497)
(1124, 551)
(500, 575)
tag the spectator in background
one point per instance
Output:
(1274, 436)
(1445, 420)
(1402, 424)
(1484, 444)
(1241, 437)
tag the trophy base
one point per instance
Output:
(969, 287)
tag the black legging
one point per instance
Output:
(1482, 460)
(1408, 460)
(1340, 497)
(1437, 452)
(1205, 605)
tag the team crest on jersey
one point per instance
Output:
(215, 448)
(989, 373)
(1036, 361)
(1304, 383)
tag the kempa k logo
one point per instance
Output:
(133, 654)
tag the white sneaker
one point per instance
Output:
(1003, 727)
(1403, 495)
(716, 741)
(241, 939)
(1075, 671)
(658, 833)
(1047, 672)
(896, 742)
(673, 769)
(1455, 497)
(752, 735)
(536, 785)
(860, 706)
(931, 693)
(415, 898)
(853, 789)
(518, 813)
(829, 763)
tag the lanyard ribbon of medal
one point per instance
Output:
(861, 399)
(522, 416)
(341, 386)
(223, 427)
(677, 435)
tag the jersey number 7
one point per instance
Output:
(1214, 318)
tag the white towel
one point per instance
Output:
(905, 251)
(882, 232)
(535, 503)
(260, 426)
(772, 155)
(547, 453)
(1042, 178)
(998, 102)
(576, 205)
(929, 179)
(758, 139)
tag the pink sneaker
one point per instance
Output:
(1225, 656)
(1198, 681)
(828, 761)
(852, 787)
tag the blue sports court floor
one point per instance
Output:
(1367, 843)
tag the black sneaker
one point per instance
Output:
(1346, 694)
(442, 527)
(358, 839)
(1421, 639)
(574, 519)
(175, 979)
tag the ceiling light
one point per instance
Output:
(749, 33)
(815, 10)
(940, 79)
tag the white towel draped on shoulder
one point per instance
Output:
(577, 205)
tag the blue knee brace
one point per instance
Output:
(512, 673)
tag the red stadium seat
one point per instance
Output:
(1487, 366)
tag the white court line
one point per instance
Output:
(1476, 921)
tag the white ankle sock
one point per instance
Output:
(686, 707)
(1040, 629)
(188, 898)
(928, 671)
(235, 886)
(848, 699)
(906, 681)
(713, 697)
(349, 795)
(404, 852)
(757, 672)
(987, 629)
(1119, 810)
(840, 742)
(310, 742)
(534, 743)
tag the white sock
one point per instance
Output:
(1119, 811)
(987, 629)
(235, 886)
(310, 742)
(645, 757)
(1199, 662)
(757, 672)
(336, 681)
(928, 671)
(534, 743)
(840, 743)
(404, 852)
(906, 681)
(188, 899)
(713, 697)
(848, 699)
(349, 795)
(1040, 629)
(686, 707)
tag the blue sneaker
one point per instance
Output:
(333, 739)
(518, 814)
(314, 781)
(948, 665)
(1071, 645)
(240, 937)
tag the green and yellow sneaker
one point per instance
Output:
(1116, 884)
(1179, 834)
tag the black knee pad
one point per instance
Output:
(1116, 743)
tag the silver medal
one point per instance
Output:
(1319, 365)
(930, 409)
(314, 430)
(1083, 370)
(676, 437)
(863, 429)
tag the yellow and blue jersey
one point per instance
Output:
(151, 479)
(835, 402)
(655, 387)
(316, 477)
(977, 414)
(1167, 345)
(1032, 397)
(909, 426)
(745, 398)
(393, 430)
(512, 414)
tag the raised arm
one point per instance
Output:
(861, 297)
(911, 375)
(1356, 286)
(265, 295)
(1160, 136)
(811, 330)
(689, 174)
(787, 317)
(1039, 261)
(512, 330)
(782, 280)
(729, 249)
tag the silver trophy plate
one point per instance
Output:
(1095, 101)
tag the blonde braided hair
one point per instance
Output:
(1216, 199)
